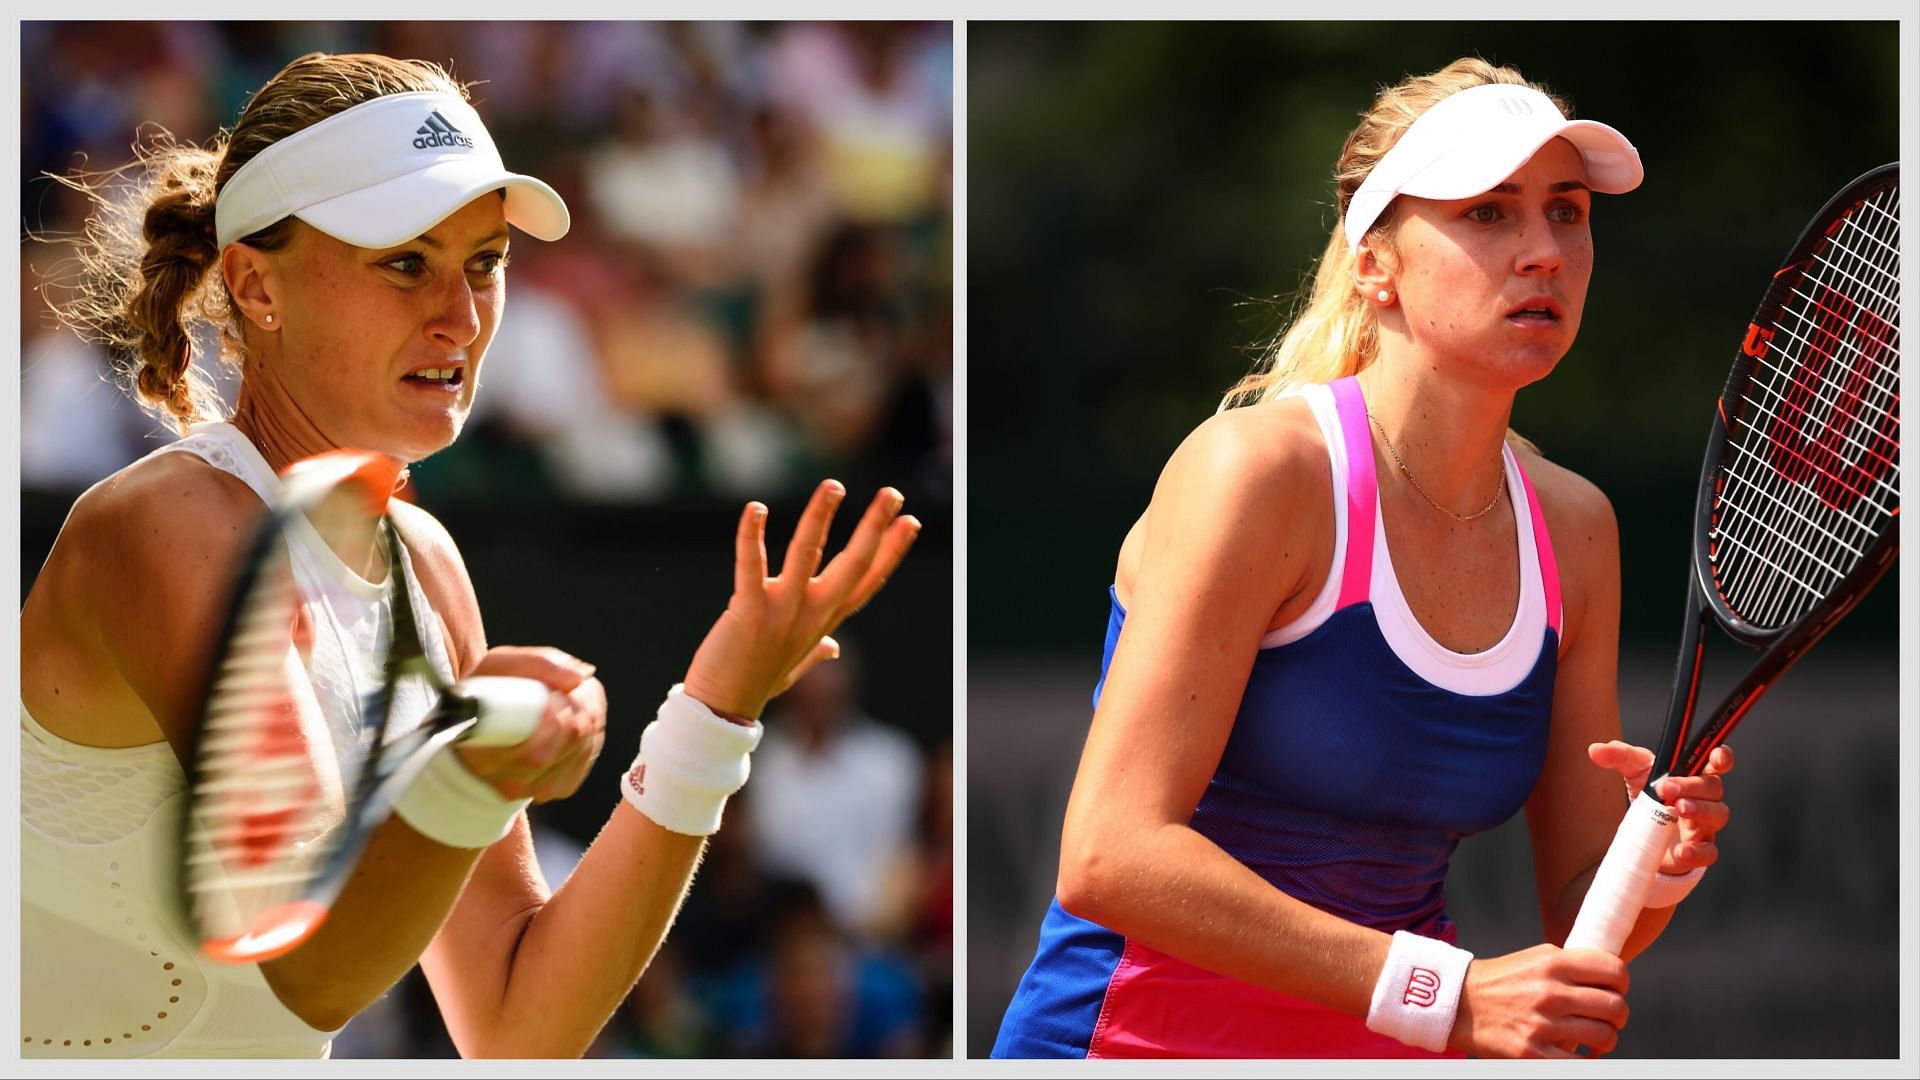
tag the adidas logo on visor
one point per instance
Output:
(437, 132)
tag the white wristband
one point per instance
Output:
(690, 761)
(1419, 991)
(1669, 889)
(446, 803)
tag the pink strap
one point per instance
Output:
(1543, 544)
(1351, 407)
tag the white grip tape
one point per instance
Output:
(445, 802)
(1620, 886)
(1418, 991)
(510, 708)
(1669, 889)
(690, 761)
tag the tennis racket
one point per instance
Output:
(1799, 503)
(281, 802)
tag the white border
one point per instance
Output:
(1909, 576)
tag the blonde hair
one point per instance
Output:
(1335, 332)
(148, 258)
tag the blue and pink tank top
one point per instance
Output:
(1362, 753)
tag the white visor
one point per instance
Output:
(1472, 141)
(382, 173)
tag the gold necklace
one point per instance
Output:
(1482, 512)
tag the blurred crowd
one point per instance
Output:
(756, 288)
(820, 924)
(756, 292)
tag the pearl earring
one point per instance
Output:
(1384, 296)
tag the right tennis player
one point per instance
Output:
(347, 243)
(1360, 620)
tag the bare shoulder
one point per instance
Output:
(171, 517)
(121, 619)
(444, 578)
(1258, 451)
(1239, 479)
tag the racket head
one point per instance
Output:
(1800, 493)
(1798, 508)
(270, 793)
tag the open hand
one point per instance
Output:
(776, 628)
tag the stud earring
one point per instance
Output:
(1383, 295)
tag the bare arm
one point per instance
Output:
(1221, 551)
(520, 973)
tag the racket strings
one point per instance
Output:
(1872, 288)
(1781, 409)
(1811, 477)
(1822, 485)
(260, 803)
(1780, 448)
(1831, 525)
(1819, 321)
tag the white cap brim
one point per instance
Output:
(381, 173)
(407, 206)
(1474, 140)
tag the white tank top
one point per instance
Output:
(108, 967)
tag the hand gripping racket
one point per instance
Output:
(280, 803)
(1798, 510)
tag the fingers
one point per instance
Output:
(756, 650)
(810, 536)
(1633, 763)
(1711, 816)
(894, 545)
(750, 551)
(1592, 1008)
(826, 649)
(1543, 1001)
(1592, 968)
(1700, 803)
(554, 761)
(1622, 757)
(1706, 787)
(1720, 762)
(554, 667)
(1689, 855)
(1599, 1037)
(849, 568)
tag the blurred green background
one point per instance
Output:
(1143, 200)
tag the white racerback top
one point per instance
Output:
(108, 967)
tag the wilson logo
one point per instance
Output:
(437, 132)
(1423, 988)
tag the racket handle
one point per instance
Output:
(1619, 888)
(510, 708)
